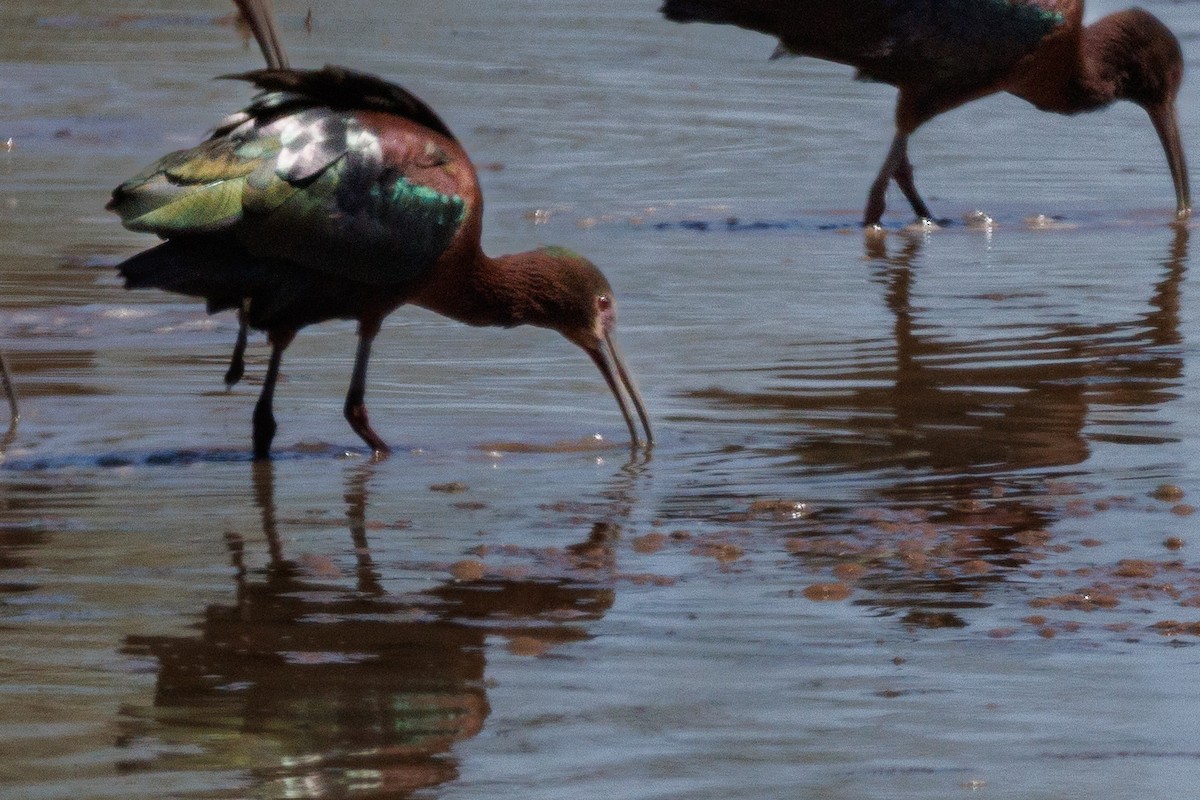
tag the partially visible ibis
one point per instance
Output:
(338, 195)
(941, 54)
(10, 390)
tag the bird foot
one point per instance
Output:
(237, 368)
(873, 231)
(356, 415)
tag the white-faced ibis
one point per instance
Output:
(943, 53)
(337, 195)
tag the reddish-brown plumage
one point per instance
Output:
(941, 54)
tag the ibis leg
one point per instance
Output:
(875, 198)
(896, 166)
(356, 409)
(264, 417)
(237, 362)
(10, 390)
(904, 179)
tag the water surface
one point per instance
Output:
(919, 521)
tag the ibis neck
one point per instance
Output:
(1104, 64)
(485, 291)
(1128, 55)
(1069, 74)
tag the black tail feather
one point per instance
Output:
(696, 11)
(282, 295)
(213, 270)
(341, 88)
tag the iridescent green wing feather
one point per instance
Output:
(329, 202)
(188, 191)
(297, 178)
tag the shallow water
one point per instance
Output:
(918, 522)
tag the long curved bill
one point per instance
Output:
(1167, 125)
(612, 366)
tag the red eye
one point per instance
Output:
(603, 302)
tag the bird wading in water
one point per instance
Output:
(337, 195)
(10, 391)
(943, 53)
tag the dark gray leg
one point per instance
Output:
(264, 417)
(355, 408)
(904, 179)
(875, 198)
(237, 362)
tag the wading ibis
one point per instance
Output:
(10, 391)
(337, 195)
(943, 53)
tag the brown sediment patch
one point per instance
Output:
(827, 592)
(514, 572)
(530, 646)
(933, 620)
(1090, 599)
(1135, 568)
(849, 571)
(1168, 493)
(453, 487)
(830, 547)
(320, 566)
(649, 543)
(1170, 627)
(586, 444)
(1033, 538)
(467, 570)
(1078, 508)
(649, 579)
(724, 552)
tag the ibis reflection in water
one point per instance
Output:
(342, 683)
(941, 54)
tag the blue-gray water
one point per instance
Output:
(918, 522)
